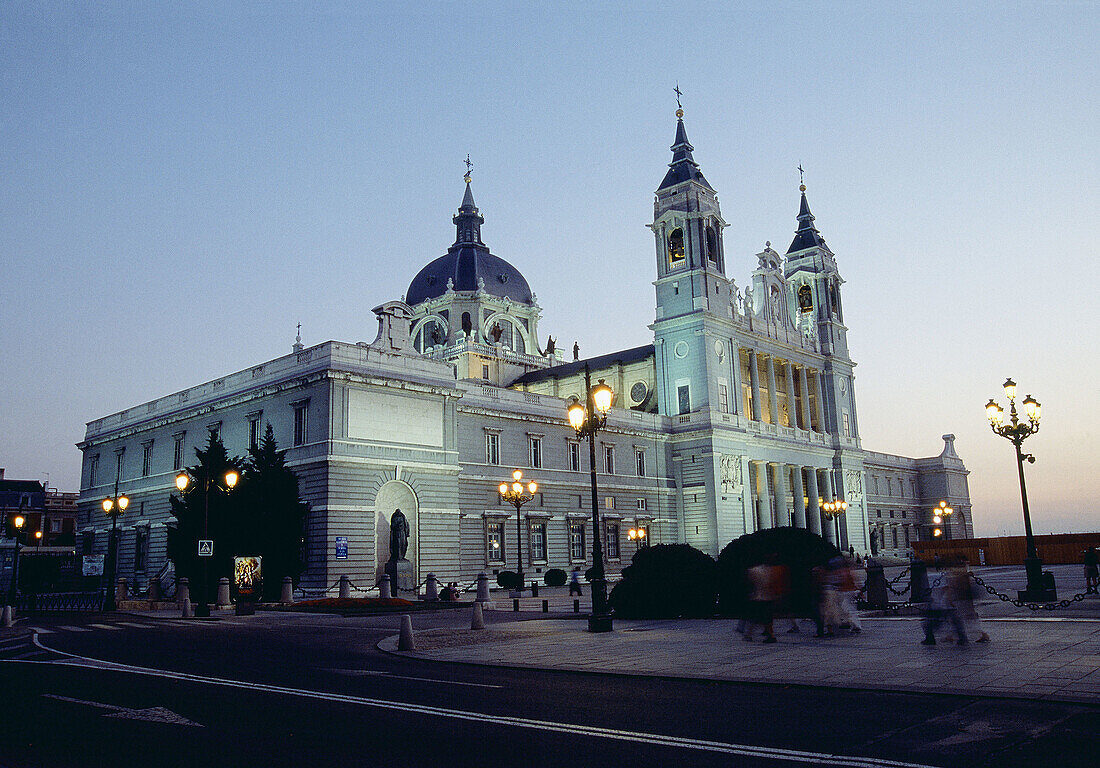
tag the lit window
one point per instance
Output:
(494, 542)
(576, 541)
(609, 502)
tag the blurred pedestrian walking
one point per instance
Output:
(575, 582)
(1092, 571)
(963, 591)
(941, 608)
(768, 583)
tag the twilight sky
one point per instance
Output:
(180, 184)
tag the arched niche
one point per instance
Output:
(394, 495)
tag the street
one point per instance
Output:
(291, 689)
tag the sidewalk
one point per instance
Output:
(1029, 657)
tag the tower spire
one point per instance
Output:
(683, 166)
(806, 236)
(468, 221)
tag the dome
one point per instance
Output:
(465, 265)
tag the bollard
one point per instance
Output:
(286, 595)
(546, 606)
(876, 588)
(515, 605)
(406, 642)
(534, 589)
(384, 587)
(188, 610)
(478, 620)
(223, 592)
(483, 587)
(120, 591)
(431, 588)
(183, 592)
(576, 606)
(6, 617)
(153, 593)
(918, 582)
(345, 587)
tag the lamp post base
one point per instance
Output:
(202, 611)
(1039, 589)
(599, 623)
(600, 619)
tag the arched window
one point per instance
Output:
(805, 299)
(712, 245)
(466, 323)
(430, 334)
(676, 247)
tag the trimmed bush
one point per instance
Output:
(508, 580)
(590, 573)
(796, 548)
(555, 577)
(666, 581)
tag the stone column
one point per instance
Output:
(820, 405)
(754, 384)
(763, 498)
(805, 399)
(799, 493)
(779, 482)
(813, 512)
(773, 398)
(792, 404)
(737, 396)
(828, 527)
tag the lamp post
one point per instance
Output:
(514, 495)
(113, 506)
(1016, 432)
(587, 420)
(18, 522)
(183, 480)
(832, 511)
(939, 517)
(637, 535)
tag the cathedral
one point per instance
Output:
(739, 415)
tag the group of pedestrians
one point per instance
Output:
(951, 601)
(769, 593)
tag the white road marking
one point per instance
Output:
(149, 714)
(763, 753)
(103, 626)
(41, 630)
(73, 629)
(379, 673)
(133, 624)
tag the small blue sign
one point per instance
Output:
(341, 547)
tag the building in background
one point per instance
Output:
(740, 415)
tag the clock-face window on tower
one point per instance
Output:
(676, 247)
(712, 245)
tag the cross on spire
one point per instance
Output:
(801, 180)
(469, 167)
(678, 93)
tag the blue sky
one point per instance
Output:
(182, 184)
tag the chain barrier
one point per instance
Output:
(1049, 606)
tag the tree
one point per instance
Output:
(273, 514)
(189, 509)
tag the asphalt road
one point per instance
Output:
(279, 690)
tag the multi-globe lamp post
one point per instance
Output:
(18, 522)
(113, 506)
(587, 419)
(1016, 431)
(183, 480)
(832, 511)
(939, 517)
(514, 494)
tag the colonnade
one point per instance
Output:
(774, 484)
(798, 392)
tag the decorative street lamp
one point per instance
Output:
(637, 534)
(1016, 432)
(832, 511)
(113, 506)
(18, 522)
(183, 480)
(939, 515)
(587, 420)
(514, 495)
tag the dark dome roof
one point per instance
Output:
(464, 265)
(468, 261)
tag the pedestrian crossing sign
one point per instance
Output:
(206, 548)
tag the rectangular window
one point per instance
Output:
(847, 425)
(609, 459)
(723, 398)
(641, 504)
(485, 372)
(177, 455)
(611, 540)
(87, 542)
(55, 526)
(494, 542)
(609, 502)
(639, 461)
(536, 451)
(141, 548)
(683, 398)
(575, 457)
(253, 432)
(300, 423)
(492, 448)
(119, 455)
(538, 542)
(146, 451)
(93, 470)
(576, 541)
